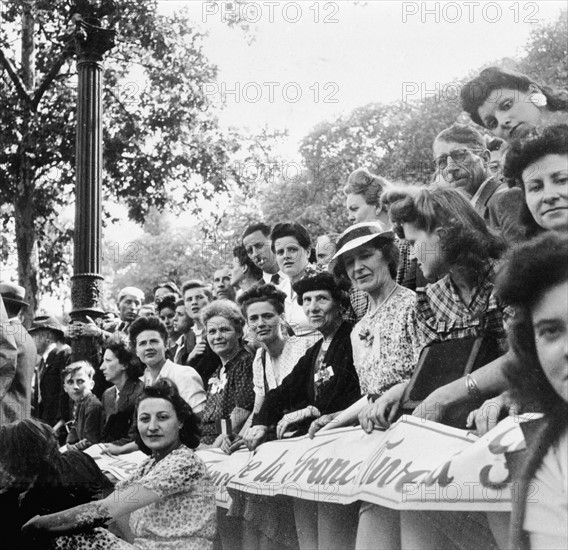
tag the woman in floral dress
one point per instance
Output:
(384, 341)
(169, 500)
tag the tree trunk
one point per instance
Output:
(26, 238)
(26, 243)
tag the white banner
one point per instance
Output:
(414, 465)
(119, 467)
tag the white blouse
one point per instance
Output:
(546, 509)
(276, 370)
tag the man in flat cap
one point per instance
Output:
(49, 399)
(129, 301)
(15, 377)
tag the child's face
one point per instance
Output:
(78, 385)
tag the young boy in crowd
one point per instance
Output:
(86, 426)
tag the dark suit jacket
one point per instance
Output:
(119, 415)
(88, 421)
(53, 398)
(184, 348)
(16, 379)
(205, 364)
(501, 207)
(298, 388)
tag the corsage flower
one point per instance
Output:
(366, 336)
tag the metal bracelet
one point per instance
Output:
(472, 387)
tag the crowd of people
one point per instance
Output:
(306, 333)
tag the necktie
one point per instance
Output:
(39, 375)
(275, 279)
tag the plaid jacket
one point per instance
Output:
(441, 314)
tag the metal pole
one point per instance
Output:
(92, 41)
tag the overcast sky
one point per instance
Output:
(341, 55)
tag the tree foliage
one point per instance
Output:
(163, 252)
(160, 137)
(547, 53)
(393, 140)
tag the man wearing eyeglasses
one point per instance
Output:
(461, 161)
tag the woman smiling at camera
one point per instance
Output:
(538, 164)
(230, 393)
(170, 498)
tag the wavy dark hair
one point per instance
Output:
(146, 323)
(337, 287)
(466, 240)
(125, 357)
(291, 229)
(28, 447)
(535, 144)
(263, 293)
(168, 302)
(476, 91)
(528, 273)
(532, 146)
(164, 388)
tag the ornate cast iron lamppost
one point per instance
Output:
(91, 42)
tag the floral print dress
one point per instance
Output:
(183, 519)
(385, 344)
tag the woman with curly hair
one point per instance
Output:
(263, 308)
(170, 498)
(535, 282)
(323, 381)
(509, 103)
(256, 521)
(458, 254)
(230, 392)
(538, 164)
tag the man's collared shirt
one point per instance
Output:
(268, 278)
